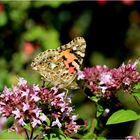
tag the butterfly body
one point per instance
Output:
(60, 66)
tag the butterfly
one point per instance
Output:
(60, 66)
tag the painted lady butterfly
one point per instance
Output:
(60, 66)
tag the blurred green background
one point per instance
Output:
(111, 30)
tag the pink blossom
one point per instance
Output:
(37, 112)
(26, 106)
(80, 75)
(131, 138)
(74, 117)
(35, 122)
(28, 103)
(101, 80)
(22, 81)
(57, 122)
(16, 113)
(25, 93)
(35, 98)
(71, 127)
(21, 122)
(105, 78)
(42, 117)
(36, 88)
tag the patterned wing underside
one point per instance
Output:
(50, 63)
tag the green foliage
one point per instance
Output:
(95, 98)
(99, 110)
(56, 134)
(53, 4)
(10, 135)
(89, 135)
(27, 126)
(48, 121)
(3, 18)
(137, 86)
(136, 91)
(122, 116)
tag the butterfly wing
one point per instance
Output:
(77, 48)
(61, 65)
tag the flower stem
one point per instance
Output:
(137, 101)
(31, 133)
(27, 134)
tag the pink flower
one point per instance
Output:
(16, 113)
(80, 75)
(71, 126)
(57, 122)
(21, 122)
(105, 78)
(74, 117)
(131, 138)
(25, 93)
(37, 112)
(18, 102)
(26, 106)
(36, 88)
(35, 122)
(34, 104)
(102, 80)
(42, 117)
(35, 98)
(22, 81)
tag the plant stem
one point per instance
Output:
(137, 101)
(31, 133)
(27, 134)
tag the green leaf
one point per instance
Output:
(136, 94)
(89, 135)
(95, 98)
(36, 32)
(48, 121)
(11, 136)
(99, 110)
(137, 86)
(101, 138)
(3, 18)
(53, 4)
(48, 38)
(51, 40)
(27, 126)
(56, 136)
(9, 122)
(122, 116)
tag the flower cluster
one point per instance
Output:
(102, 80)
(32, 104)
(131, 138)
(60, 109)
